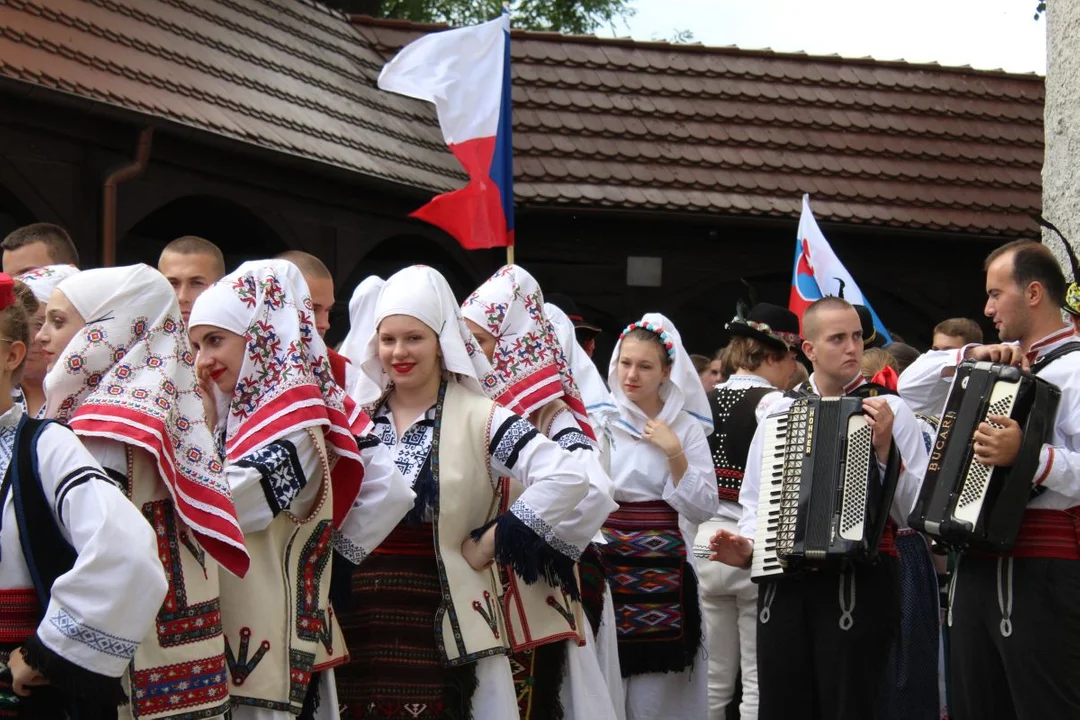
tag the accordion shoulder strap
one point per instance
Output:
(1055, 354)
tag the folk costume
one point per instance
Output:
(69, 545)
(1014, 625)
(126, 385)
(728, 597)
(824, 637)
(531, 375)
(429, 635)
(600, 406)
(295, 472)
(650, 539)
(41, 281)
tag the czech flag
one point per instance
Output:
(818, 272)
(465, 72)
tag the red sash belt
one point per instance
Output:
(887, 544)
(651, 514)
(410, 540)
(1046, 534)
(20, 615)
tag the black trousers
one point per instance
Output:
(810, 668)
(1034, 673)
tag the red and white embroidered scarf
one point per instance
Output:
(286, 382)
(529, 367)
(129, 375)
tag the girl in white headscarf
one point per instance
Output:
(531, 374)
(665, 486)
(295, 471)
(41, 282)
(122, 376)
(422, 382)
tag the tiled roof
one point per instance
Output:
(279, 74)
(598, 123)
(685, 128)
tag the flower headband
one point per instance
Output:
(664, 337)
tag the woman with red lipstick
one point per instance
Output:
(531, 375)
(122, 377)
(294, 468)
(431, 630)
(665, 486)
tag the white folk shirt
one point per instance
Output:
(730, 510)
(906, 434)
(1059, 460)
(93, 620)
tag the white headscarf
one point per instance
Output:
(422, 293)
(598, 399)
(43, 280)
(361, 326)
(682, 391)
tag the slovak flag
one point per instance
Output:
(818, 272)
(465, 72)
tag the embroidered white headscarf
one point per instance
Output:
(285, 383)
(43, 280)
(682, 391)
(129, 375)
(529, 367)
(422, 292)
(598, 400)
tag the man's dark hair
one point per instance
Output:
(55, 238)
(1033, 262)
(964, 328)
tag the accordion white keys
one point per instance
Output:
(964, 503)
(822, 498)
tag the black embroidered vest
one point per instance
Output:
(735, 422)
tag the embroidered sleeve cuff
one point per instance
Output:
(348, 549)
(84, 645)
(1046, 465)
(86, 688)
(528, 545)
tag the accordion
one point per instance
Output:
(963, 503)
(822, 499)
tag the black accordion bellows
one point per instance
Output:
(822, 500)
(963, 503)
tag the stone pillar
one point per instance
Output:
(1061, 167)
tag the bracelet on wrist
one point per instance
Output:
(672, 457)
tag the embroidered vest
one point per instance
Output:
(540, 613)
(179, 669)
(469, 625)
(735, 421)
(279, 627)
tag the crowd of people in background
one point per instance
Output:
(208, 512)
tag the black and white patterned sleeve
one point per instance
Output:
(528, 537)
(274, 478)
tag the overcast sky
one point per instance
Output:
(987, 34)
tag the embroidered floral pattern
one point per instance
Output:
(240, 665)
(488, 611)
(527, 355)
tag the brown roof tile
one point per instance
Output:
(719, 130)
(609, 123)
